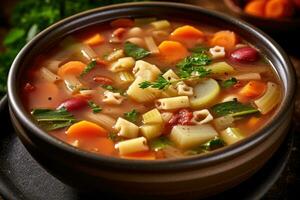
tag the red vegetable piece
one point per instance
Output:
(75, 103)
(244, 55)
(103, 80)
(183, 117)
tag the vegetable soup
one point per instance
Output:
(151, 89)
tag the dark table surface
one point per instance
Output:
(288, 185)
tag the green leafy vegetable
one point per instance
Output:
(213, 144)
(161, 83)
(160, 143)
(135, 51)
(199, 49)
(95, 108)
(233, 108)
(132, 116)
(194, 66)
(228, 83)
(53, 119)
(88, 68)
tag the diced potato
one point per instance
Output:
(231, 135)
(162, 24)
(186, 137)
(221, 68)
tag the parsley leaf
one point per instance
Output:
(233, 108)
(132, 116)
(88, 68)
(135, 51)
(53, 119)
(199, 49)
(160, 143)
(95, 108)
(228, 83)
(161, 83)
(213, 144)
(194, 66)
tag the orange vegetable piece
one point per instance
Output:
(226, 39)
(278, 9)
(256, 8)
(86, 129)
(172, 51)
(145, 155)
(253, 89)
(124, 22)
(105, 146)
(94, 40)
(186, 32)
(71, 68)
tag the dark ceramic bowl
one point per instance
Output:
(192, 176)
(286, 25)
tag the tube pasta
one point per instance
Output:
(146, 70)
(126, 128)
(170, 91)
(151, 131)
(170, 75)
(270, 99)
(191, 136)
(133, 145)
(123, 64)
(217, 52)
(173, 103)
(231, 135)
(48, 75)
(115, 55)
(152, 117)
(142, 95)
(112, 98)
(201, 116)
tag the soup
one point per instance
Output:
(151, 89)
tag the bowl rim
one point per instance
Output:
(216, 156)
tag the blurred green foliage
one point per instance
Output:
(30, 17)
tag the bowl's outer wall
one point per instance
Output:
(78, 167)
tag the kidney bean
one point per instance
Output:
(244, 55)
(103, 80)
(75, 103)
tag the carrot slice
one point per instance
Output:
(172, 51)
(94, 40)
(145, 155)
(253, 89)
(256, 8)
(278, 9)
(186, 33)
(86, 129)
(122, 23)
(227, 39)
(71, 68)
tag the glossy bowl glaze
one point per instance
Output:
(192, 176)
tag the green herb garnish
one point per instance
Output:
(160, 143)
(213, 144)
(88, 68)
(95, 108)
(194, 66)
(233, 108)
(132, 116)
(53, 119)
(135, 51)
(161, 83)
(228, 83)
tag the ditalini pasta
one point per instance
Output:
(151, 89)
